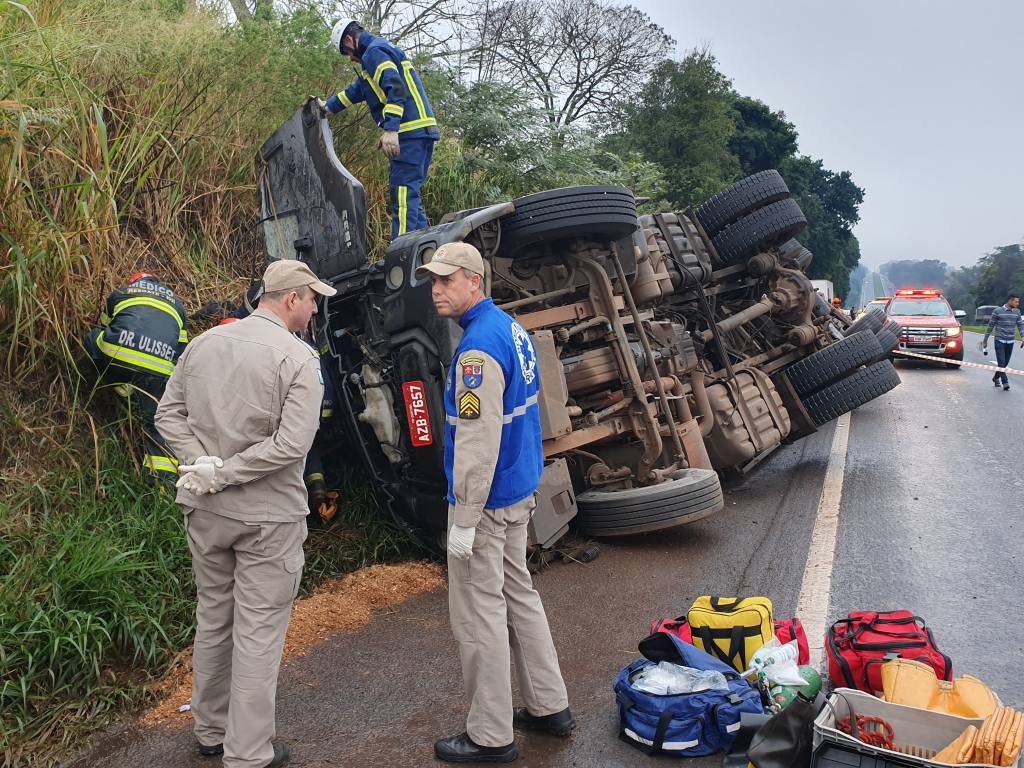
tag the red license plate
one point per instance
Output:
(419, 416)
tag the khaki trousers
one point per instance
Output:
(247, 575)
(496, 611)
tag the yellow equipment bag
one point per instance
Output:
(914, 684)
(731, 628)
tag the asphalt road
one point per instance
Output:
(928, 521)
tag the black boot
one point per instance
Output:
(558, 724)
(462, 749)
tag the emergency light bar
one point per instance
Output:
(917, 292)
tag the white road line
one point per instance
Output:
(812, 605)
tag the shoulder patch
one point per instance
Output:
(469, 406)
(471, 358)
(472, 375)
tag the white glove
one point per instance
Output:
(321, 103)
(389, 143)
(200, 477)
(460, 542)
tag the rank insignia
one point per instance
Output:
(469, 406)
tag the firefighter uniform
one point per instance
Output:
(144, 331)
(494, 460)
(249, 393)
(391, 88)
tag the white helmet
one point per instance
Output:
(338, 32)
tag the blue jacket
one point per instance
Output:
(520, 454)
(391, 88)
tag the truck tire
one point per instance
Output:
(760, 230)
(871, 320)
(832, 363)
(795, 250)
(600, 213)
(853, 391)
(888, 337)
(743, 197)
(690, 495)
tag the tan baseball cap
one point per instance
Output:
(450, 258)
(289, 274)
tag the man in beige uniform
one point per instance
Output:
(240, 412)
(493, 460)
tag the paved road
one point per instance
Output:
(928, 521)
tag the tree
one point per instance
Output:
(576, 57)
(683, 119)
(1001, 272)
(763, 138)
(915, 273)
(960, 286)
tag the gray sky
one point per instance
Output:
(921, 101)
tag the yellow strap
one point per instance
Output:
(403, 208)
(412, 125)
(136, 358)
(413, 89)
(392, 109)
(183, 337)
(160, 463)
(376, 88)
(380, 70)
(144, 301)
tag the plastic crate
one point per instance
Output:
(919, 734)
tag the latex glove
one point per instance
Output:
(320, 103)
(200, 477)
(460, 542)
(389, 143)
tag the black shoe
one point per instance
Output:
(281, 755)
(213, 750)
(559, 724)
(462, 749)
(995, 382)
(1006, 387)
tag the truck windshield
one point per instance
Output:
(929, 308)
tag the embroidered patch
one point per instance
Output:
(472, 375)
(469, 406)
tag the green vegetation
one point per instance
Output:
(128, 132)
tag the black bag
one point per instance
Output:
(785, 741)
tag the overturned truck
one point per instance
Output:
(672, 348)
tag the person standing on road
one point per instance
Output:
(391, 88)
(1006, 321)
(493, 461)
(241, 411)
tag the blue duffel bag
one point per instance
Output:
(682, 724)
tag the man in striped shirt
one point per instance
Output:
(1006, 321)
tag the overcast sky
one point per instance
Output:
(920, 100)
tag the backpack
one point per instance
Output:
(677, 626)
(860, 644)
(682, 724)
(731, 628)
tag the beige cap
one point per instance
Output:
(288, 274)
(450, 258)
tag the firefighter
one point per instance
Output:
(144, 330)
(493, 460)
(391, 88)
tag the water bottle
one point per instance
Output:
(788, 652)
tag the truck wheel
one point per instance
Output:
(600, 213)
(743, 197)
(833, 362)
(795, 250)
(690, 495)
(757, 231)
(888, 337)
(871, 320)
(853, 391)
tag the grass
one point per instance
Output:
(975, 328)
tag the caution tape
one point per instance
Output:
(964, 363)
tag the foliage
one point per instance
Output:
(1000, 272)
(915, 273)
(763, 138)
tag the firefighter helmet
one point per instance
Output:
(138, 276)
(338, 34)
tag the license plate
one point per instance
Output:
(419, 416)
(922, 338)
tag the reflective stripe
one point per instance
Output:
(104, 319)
(667, 745)
(392, 109)
(144, 301)
(411, 82)
(519, 410)
(412, 125)
(344, 99)
(160, 463)
(403, 208)
(380, 70)
(452, 420)
(376, 88)
(140, 359)
(183, 337)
